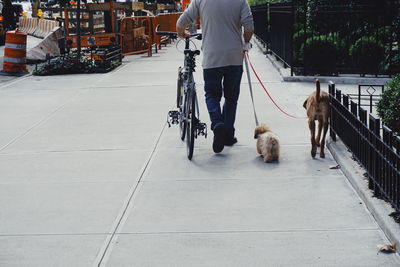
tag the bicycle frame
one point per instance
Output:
(188, 113)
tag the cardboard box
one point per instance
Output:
(137, 6)
(139, 31)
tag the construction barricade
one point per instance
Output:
(44, 27)
(28, 25)
(48, 48)
(37, 27)
(156, 39)
(167, 23)
(136, 35)
(14, 61)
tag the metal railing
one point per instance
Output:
(368, 95)
(292, 30)
(260, 17)
(281, 29)
(378, 151)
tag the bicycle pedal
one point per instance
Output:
(173, 117)
(201, 129)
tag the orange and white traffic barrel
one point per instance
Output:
(14, 60)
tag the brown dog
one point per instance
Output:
(317, 106)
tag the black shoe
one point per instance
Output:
(219, 136)
(230, 141)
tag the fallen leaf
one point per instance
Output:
(334, 167)
(387, 248)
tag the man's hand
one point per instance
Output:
(246, 47)
(182, 32)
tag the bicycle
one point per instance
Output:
(187, 114)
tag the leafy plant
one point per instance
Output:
(367, 54)
(298, 40)
(68, 64)
(388, 107)
(320, 54)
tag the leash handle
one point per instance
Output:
(250, 86)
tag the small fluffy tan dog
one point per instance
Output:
(267, 143)
(317, 106)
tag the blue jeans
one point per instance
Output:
(222, 81)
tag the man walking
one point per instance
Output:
(223, 44)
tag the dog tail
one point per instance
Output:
(260, 129)
(317, 96)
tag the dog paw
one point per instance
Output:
(313, 153)
(322, 155)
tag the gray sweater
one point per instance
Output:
(221, 23)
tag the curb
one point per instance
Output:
(379, 209)
(336, 80)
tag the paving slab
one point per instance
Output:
(72, 166)
(314, 248)
(214, 205)
(49, 250)
(60, 208)
(237, 162)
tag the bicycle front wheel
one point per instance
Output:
(181, 105)
(190, 124)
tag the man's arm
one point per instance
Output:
(247, 22)
(189, 16)
(247, 36)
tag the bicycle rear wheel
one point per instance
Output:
(190, 123)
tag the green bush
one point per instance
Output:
(69, 64)
(367, 54)
(298, 40)
(388, 106)
(320, 54)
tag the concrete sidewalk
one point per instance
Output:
(91, 175)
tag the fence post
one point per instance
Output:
(396, 176)
(364, 136)
(387, 137)
(374, 127)
(354, 108)
(331, 87)
(346, 101)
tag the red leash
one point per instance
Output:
(265, 89)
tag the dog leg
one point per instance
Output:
(318, 138)
(311, 125)
(267, 157)
(322, 153)
(259, 143)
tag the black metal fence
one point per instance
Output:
(273, 26)
(358, 36)
(281, 31)
(368, 95)
(260, 17)
(376, 149)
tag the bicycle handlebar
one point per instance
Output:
(174, 35)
